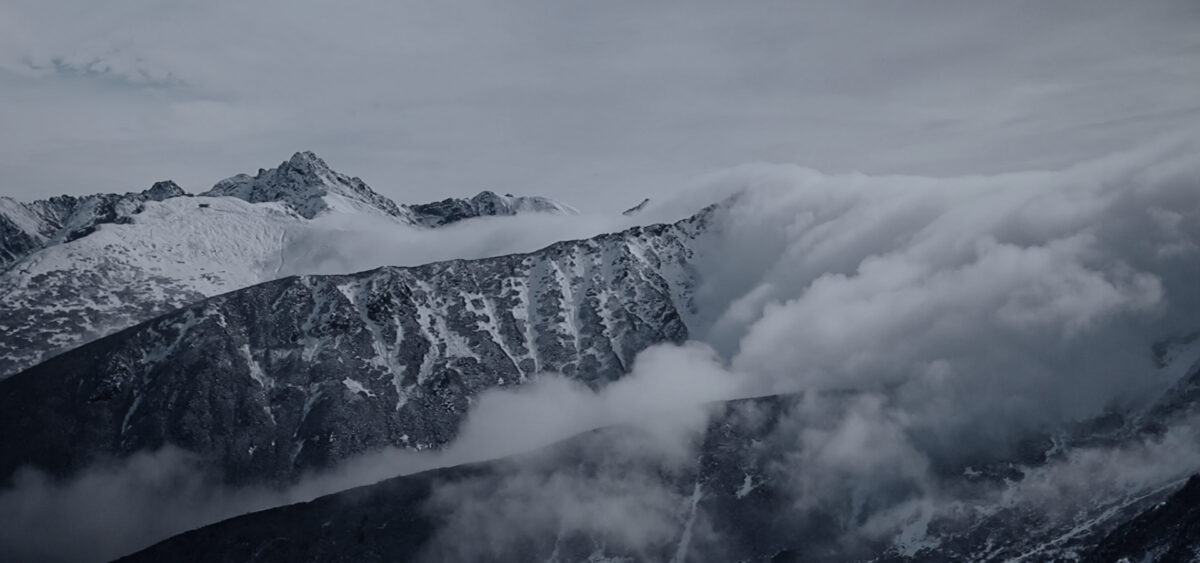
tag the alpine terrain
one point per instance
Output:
(296, 374)
(903, 423)
(75, 269)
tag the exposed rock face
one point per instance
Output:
(163, 190)
(1167, 532)
(637, 208)
(20, 233)
(485, 204)
(308, 186)
(166, 255)
(28, 227)
(49, 303)
(78, 282)
(997, 525)
(297, 374)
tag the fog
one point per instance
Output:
(965, 316)
(116, 507)
(339, 244)
(960, 316)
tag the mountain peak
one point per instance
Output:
(308, 161)
(485, 203)
(165, 189)
(306, 184)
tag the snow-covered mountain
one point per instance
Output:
(305, 184)
(886, 456)
(75, 269)
(28, 227)
(297, 374)
(172, 253)
(485, 204)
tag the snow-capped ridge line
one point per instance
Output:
(73, 269)
(307, 185)
(484, 204)
(26, 228)
(271, 359)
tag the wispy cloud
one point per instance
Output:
(597, 104)
(134, 73)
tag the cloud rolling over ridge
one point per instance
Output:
(932, 323)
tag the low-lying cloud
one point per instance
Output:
(337, 244)
(951, 320)
(115, 508)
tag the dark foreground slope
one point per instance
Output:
(548, 505)
(732, 489)
(1168, 531)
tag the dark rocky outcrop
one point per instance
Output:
(296, 374)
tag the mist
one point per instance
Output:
(334, 244)
(115, 508)
(936, 326)
(932, 324)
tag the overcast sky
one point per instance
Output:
(595, 103)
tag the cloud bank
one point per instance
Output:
(933, 325)
(598, 104)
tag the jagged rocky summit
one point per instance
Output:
(308, 186)
(28, 227)
(449, 211)
(305, 184)
(73, 269)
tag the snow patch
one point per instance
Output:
(747, 487)
(355, 387)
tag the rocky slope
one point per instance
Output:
(732, 497)
(306, 185)
(28, 227)
(296, 374)
(485, 204)
(1168, 531)
(75, 269)
(1005, 519)
(172, 253)
(708, 508)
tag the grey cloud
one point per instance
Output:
(932, 323)
(115, 508)
(596, 104)
(101, 514)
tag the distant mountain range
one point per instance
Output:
(73, 269)
(157, 319)
(296, 374)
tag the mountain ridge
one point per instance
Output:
(308, 186)
(317, 361)
(28, 227)
(485, 203)
(79, 268)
